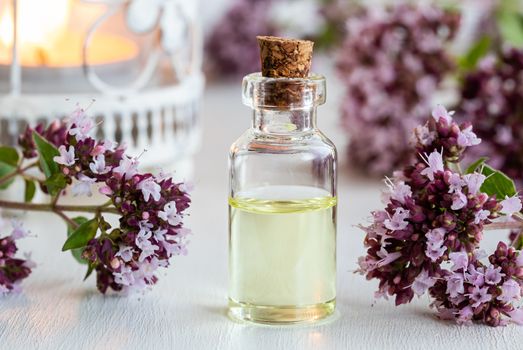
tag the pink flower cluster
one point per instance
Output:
(432, 214)
(391, 62)
(231, 48)
(12, 269)
(490, 293)
(151, 208)
(492, 99)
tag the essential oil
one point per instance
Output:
(282, 254)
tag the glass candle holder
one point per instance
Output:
(282, 206)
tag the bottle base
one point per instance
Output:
(280, 315)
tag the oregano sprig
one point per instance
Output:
(150, 208)
(427, 238)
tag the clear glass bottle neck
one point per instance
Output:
(284, 122)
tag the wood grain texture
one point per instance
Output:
(186, 310)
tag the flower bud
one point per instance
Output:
(115, 263)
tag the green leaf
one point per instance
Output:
(82, 235)
(90, 269)
(511, 27)
(55, 183)
(46, 153)
(6, 169)
(475, 53)
(9, 155)
(77, 253)
(497, 183)
(30, 190)
(518, 244)
(476, 165)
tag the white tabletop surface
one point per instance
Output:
(187, 308)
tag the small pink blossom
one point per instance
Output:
(148, 250)
(149, 189)
(511, 205)
(465, 315)
(366, 264)
(455, 285)
(440, 112)
(459, 201)
(424, 135)
(170, 214)
(18, 230)
(481, 216)
(468, 138)
(98, 165)
(422, 283)
(106, 190)
(475, 276)
(174, 248)
(435, 251)
(66, 157)
(398, 220)
(510, 291)
(83, 186)
(183, 232)
(80, 125)
(125, 276)
(480, 295)
(109, 145)
(145, 228)
(493, 275)
(460, 260)
(125, 252)
(474, 182)
(128, 167)
(436, 236)
(399, 191)
(435, 243)
(387, 258)
(456, 183)
(435, 164)
(159, 235)
(142, 241)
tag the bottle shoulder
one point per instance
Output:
(252, 141)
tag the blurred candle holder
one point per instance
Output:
(140, 61)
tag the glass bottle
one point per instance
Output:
(282, 206)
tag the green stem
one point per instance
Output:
(458, 167)
(96, 209)
(513, 225)
(32, 178)
(518, 216)
(17, 171)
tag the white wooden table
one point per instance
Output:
(187, 308)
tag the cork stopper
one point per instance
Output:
(285, 58)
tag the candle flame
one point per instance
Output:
(40, 25)
(47, 37)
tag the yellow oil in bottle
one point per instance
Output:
(282, 242)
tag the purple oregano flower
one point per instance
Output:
(435, 214)
(151, 208)
(391, 63)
